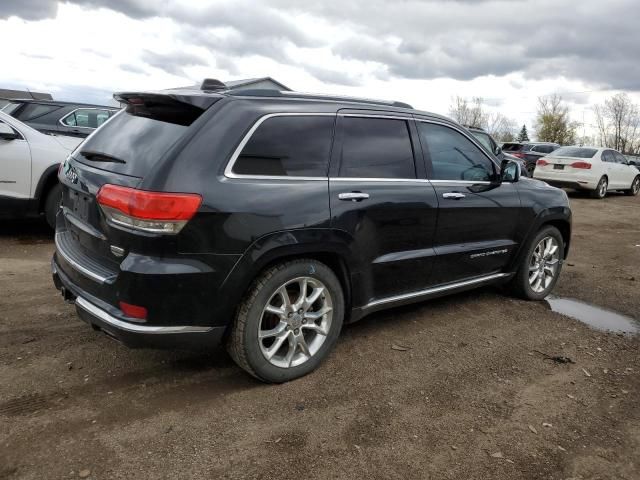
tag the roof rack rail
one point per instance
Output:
(313, 96)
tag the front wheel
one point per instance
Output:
(540, 267)
(288, 322)
(601, 190)
(635, 187)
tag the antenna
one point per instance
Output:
(32, 97)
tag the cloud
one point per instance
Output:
(173, 62)
(28, 9)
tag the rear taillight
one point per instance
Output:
(156, 212)
(542, 163)
(585, 165)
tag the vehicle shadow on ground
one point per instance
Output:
(26, 231)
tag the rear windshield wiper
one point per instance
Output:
(100, 157)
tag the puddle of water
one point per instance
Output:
(596, 317)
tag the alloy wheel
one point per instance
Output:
(635, 186)
(295, 322)
(543, 265)
(602, 188)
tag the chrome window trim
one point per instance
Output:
(135, 328)
(373, 115)
(228, 171)
(61, 121)
(432, 290)
(377, 179)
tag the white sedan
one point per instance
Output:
(29, 162)
(589, 168)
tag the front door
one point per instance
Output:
(380, 199)
(477, 216)
(15, 168)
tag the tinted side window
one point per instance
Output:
(453, 156)
(288, 146)
(33, 111)
(376, 148)
(607, 156)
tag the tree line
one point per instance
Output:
(617, 122)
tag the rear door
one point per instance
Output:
(379, 197)
(476, 233)
(611, 168)
(626, 174)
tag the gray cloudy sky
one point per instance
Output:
(422, 52)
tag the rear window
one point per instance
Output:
(135, 139)
(575, 152)
(295, 146)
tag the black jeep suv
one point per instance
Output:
(266, 220)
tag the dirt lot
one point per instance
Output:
(470, 399)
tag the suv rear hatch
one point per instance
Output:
(120, 153)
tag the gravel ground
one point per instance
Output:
(470, 397)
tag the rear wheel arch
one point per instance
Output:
(47, 181)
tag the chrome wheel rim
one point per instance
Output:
(543, 265)
(602, 190)
(295, 322)
(635, 186)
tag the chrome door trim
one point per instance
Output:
(432, 290)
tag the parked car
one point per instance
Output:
(589, 168)
(492, 146)
(633, 160)
(60, 118)
(29, 162)
(265, 220)
(530, 152)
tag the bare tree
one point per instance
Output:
(553, 122)
(500, 127)
(618, 123)
(472, 113)
(469, 113)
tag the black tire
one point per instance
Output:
(520, 284)
(601, 190)
(243, 344)
(635, 187)
(52, 204)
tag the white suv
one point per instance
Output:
(29, 162)
(589, 168)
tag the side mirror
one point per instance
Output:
(497, 151)
(7, 133)
(510, 171)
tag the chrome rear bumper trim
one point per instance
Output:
(85, 271)
(129, 327)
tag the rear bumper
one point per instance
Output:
(102, 317)
(562, 180)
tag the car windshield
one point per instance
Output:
(484, 139)
(575, 152)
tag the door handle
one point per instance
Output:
(453, 195)
(354, 196)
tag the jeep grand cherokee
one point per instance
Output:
(265, 220)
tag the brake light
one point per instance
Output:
(133, 311)
(585, 165)
(542, 163)
(157, 212)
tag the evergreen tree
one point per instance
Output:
(523, 136)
